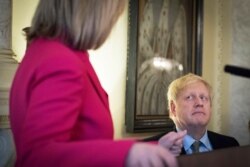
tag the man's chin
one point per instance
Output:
(202, 124)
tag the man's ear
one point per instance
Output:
(172, 108)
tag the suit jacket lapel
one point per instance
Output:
(183, 152)
(213, 141)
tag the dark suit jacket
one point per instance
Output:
(218, 141)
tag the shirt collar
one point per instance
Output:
(188, 141)
(205, 141)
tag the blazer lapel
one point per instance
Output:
(215, 144)
(183, 152)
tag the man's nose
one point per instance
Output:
(198, 102)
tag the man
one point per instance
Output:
(190, 103)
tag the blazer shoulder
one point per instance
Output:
(222, 141)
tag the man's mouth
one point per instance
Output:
(198, 112)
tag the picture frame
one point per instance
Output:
(164, 42)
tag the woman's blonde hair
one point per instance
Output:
(175, 88)
(80, 24)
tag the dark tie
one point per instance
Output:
(196, 146)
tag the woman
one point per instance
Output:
(59, 111)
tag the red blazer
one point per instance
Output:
(59, 111)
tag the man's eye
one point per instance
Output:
(204, 98)
(189, 97)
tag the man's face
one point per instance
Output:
(192, 107)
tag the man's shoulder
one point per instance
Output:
(222, 140)
(212, 133)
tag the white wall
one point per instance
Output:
(239, 91)
(226, 41)
(216, 52)
(23, 11)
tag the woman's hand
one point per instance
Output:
(173, 141)
(150, 155)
